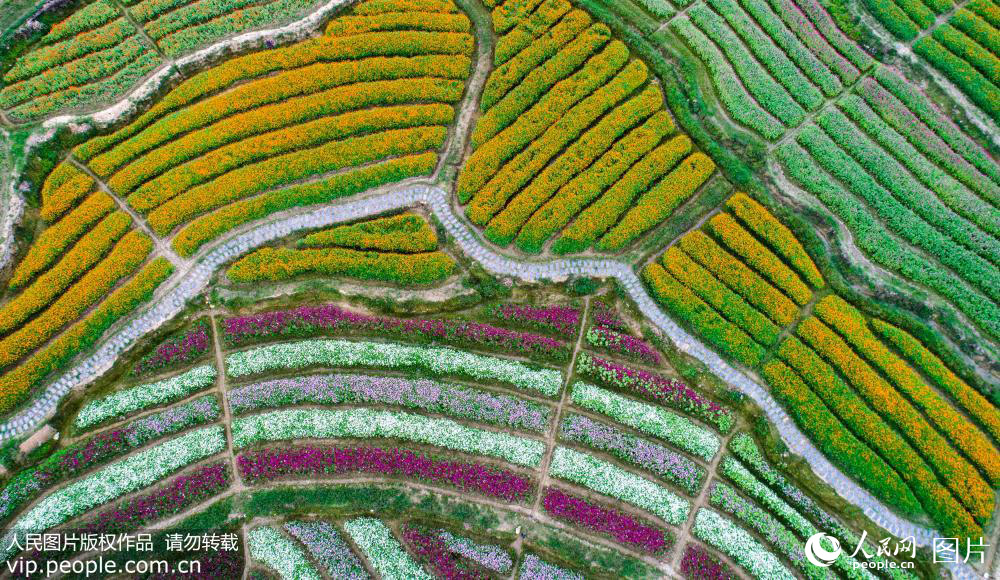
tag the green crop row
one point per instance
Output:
(90, 42)
(971, 51)
(968, 79)
(89, 17)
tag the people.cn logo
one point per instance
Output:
(817, 554)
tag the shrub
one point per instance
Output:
(276, 264)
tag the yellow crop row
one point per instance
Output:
(358, 84)
(731, 305)
(383, 6)
(526, 164)
(53, 240)
(310, 134)
(276, 264)
(81, 257)
(870, 425)
(286, 168)
(922, 358)
(65, 186)
(509, 74)
(958, 474)
(603, 213)
(437, 21)
(487, 159)
(721, 333)
(285, 85)
(122, 261)
(508, 14)
(408, 233)
(529, 28)
(659, 202)
(592, 182)
(17, 384)
(776, 234)
(208, 227)
(578, 156)
(740, 278)
(850, 323)
(738, 240)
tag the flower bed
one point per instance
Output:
(425, 394)
(176, 351)
(84, 455)
(677, 430)
(490, 557)
(132, 473)
(383, 550)
(562, 320)
(604, 315)
(665, 463)
(329, 549)
(431, 549)
(623, 344)
(432, 360)
(534, 568)
(674, 394)
(280, 553)
(144, 396)
(698, 564)
(312, 320)
(736, 543)
(611, 480)
(368, 423)
(267, 464)
(620, 526)
(408, 233)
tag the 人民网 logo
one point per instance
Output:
(817, 554)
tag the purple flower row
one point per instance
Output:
(176, 351)
(622, 527)
(434, 396)
(623, 344)
(311, 320)
(329, 549)
(698, 564)
(431, 549)
(560, 319)
(602, 315)
(656, 458)
(674, 394)
(268, 464)
(103, 447)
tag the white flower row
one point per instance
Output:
(491, 557)
(383, 551)
(434, 360)
(370, 423)
(281, 554)
(611, 480)
(145, 396)
(125, 476)
(656, 421)
(738, 544)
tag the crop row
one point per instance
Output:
(87, 18)
(622, 343)
(528, 29)
(601, 215)
(16, 383)
(979, 88)
(965, 37)
(644, 454)
(275, 464)
(674, 429)
(328, 548)
(534, 568)
(663, 390)
(408, 233)
(488, 556)
(185, 168)
(622, 527)
(276, 550)
(210, 226)
(89, 42)
(368, 423)
(732, 540)
(432, 550)
(382, 550)
(418, 20)
(312, 320)
(178, 350)
(427, 395)
(578, 156)
(124, 259)
(278, 264)
(561, 320)
(697, 563)
(130, 474)
(63, 188)
(141, 397)
(608, 479)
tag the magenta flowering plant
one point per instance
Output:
(698, 564)
(176, 351)
(267, 464)
(603, 315)
(432, 550)
(563, 320)
(669, 392)
(623, 344)
(313, 320)
(605, 520)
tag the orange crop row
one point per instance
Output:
(436, 21)
(276, 264)
(529, 28)
(65, 186)
(408, 233)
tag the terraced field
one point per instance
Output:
(502, 288)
